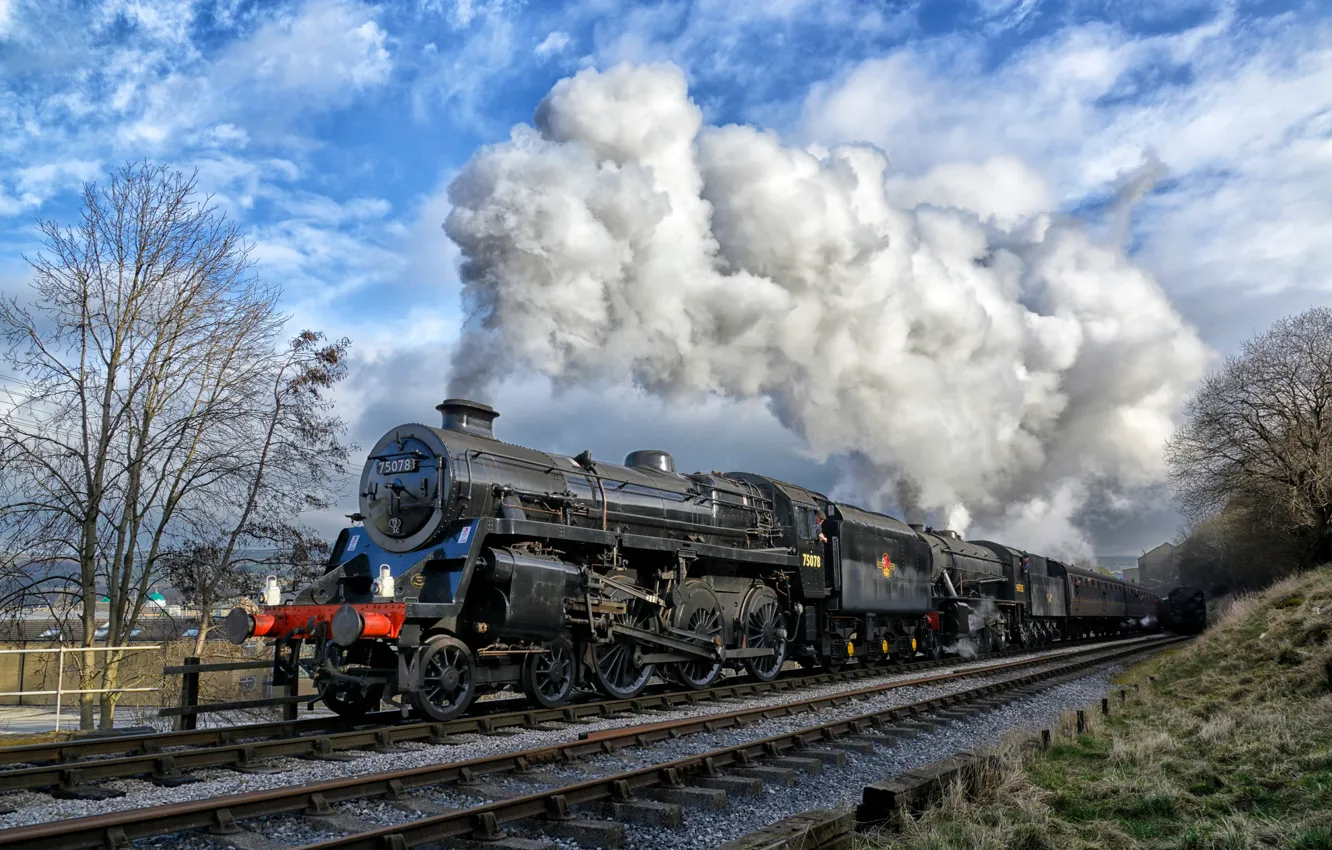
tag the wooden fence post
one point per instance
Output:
(286, 675)
(1082, 721)
(189, 695)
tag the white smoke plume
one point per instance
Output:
(977, 351)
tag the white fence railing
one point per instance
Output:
(60, 689)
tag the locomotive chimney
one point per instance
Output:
(468, 417)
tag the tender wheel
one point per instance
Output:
(445, 678)
(618, 673)
(347, 699)
(761, 616)
(701, 614)
(548, 677)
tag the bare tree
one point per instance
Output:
(1257, 437)
(149, 355)
(292, 462)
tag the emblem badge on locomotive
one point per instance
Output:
(554, 574)
(886, 564)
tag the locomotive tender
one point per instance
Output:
(483, 564)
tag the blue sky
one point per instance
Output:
(331, 128)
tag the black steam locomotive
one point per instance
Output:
(1184, 611)
(490, 564)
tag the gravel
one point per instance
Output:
(34, 807)
(838, 787)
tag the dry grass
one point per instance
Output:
(1224, 744)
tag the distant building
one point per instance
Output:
(1130, 575)
(1159, 567)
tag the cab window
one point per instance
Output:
(806, 526)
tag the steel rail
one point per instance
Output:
(70, 753)
(66, 765)
(484, 821)
(220, 815)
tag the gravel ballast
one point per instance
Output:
(839, 787)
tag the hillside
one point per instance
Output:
(1225, 744)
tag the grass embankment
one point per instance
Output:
(1225, 744)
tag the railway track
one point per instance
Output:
(698, 780)
(68, 766)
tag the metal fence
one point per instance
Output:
(60, 689)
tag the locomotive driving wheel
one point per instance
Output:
(617, 665)
(445, 678)
(548, 677)
(700, 613)
(763, 629)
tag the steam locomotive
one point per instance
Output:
(1184, 611)
(482, 565)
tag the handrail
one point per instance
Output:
(61, 690)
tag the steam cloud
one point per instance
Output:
(972, 352)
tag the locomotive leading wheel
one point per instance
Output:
(763, 630)
(548, 677)
(445, 679)
(347, 699)
(618, 672)
(929, 646)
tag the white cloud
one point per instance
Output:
(554, 43)
(1239, 113)
(163, 20)
(328, 50)
(42, 180)
(462, 77)
(6, 17)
